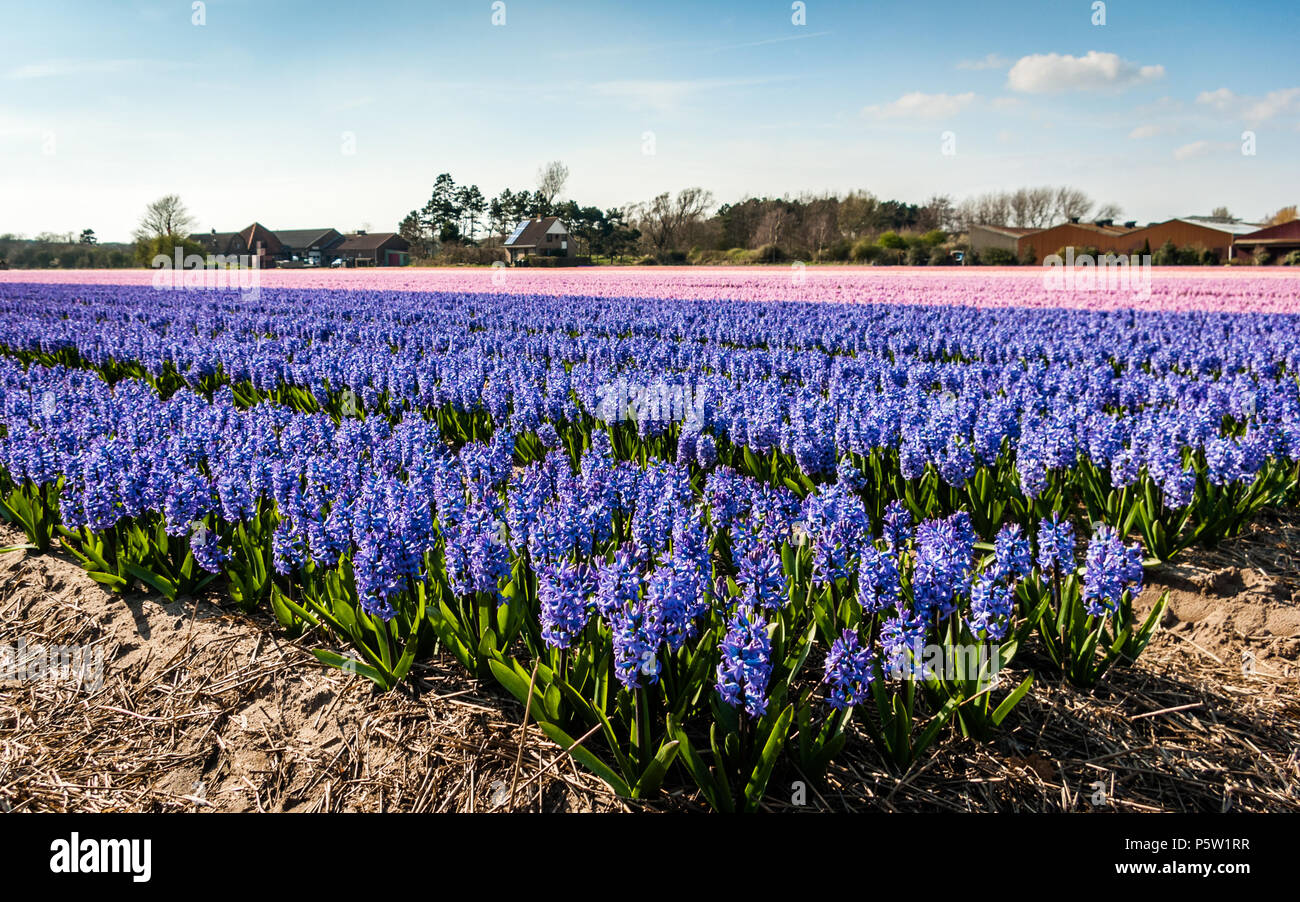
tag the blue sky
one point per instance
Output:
(104, 107)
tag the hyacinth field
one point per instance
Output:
(701, 524)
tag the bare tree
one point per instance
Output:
(1019, 202)
(818, 226)
(551, 180)
(857, 214)
(1071, 203)
(1109, 211)
(665, 219)
(166, 217)
(937, 213)
(1041, 203)
(1221, 213)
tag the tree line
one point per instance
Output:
(687, 226)
(460, 224)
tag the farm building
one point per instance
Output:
(1214, 235)
(988, 237)
(372, 249)
(308, 245)
(542, 237)
(1102, 235)
(1278, 241)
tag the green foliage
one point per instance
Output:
(1166, 255)
(891, 240)
(1084, 646)
(146, 249)
(997, 256)
(866, 251)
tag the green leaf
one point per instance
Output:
(932, 728)
(517, 686)
(695, 765)
(757, 785)
(653, 775)
(586, 759)
(352, 665)
(112, 580)
(1002, 710)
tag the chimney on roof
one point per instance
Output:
(1131, 224)
(361, 231)
(1102, 223)
(1074, 219)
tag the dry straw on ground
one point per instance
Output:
(206, 709)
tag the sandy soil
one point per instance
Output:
(203, 708)
(206, 709)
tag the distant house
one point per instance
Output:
(372, 249)
(1279, 241)
(308, 245)
(314, 247)
(256, 240)
(542, 237)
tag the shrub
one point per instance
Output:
(461, 254)
(1167, 255)
(838, 252)
(940, 256)
(1292, 259)
(997, 256)
(917, 256)
(769, 253)
(1262, 257)
(865, 251)
(892, 240)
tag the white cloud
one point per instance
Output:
(1221, 100)
(1273, 104)
(1252, 109)
(1052, 73)
(1202, 148)
(919, 105)
(1148, 131)
(992, 61)
(1006, 103)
